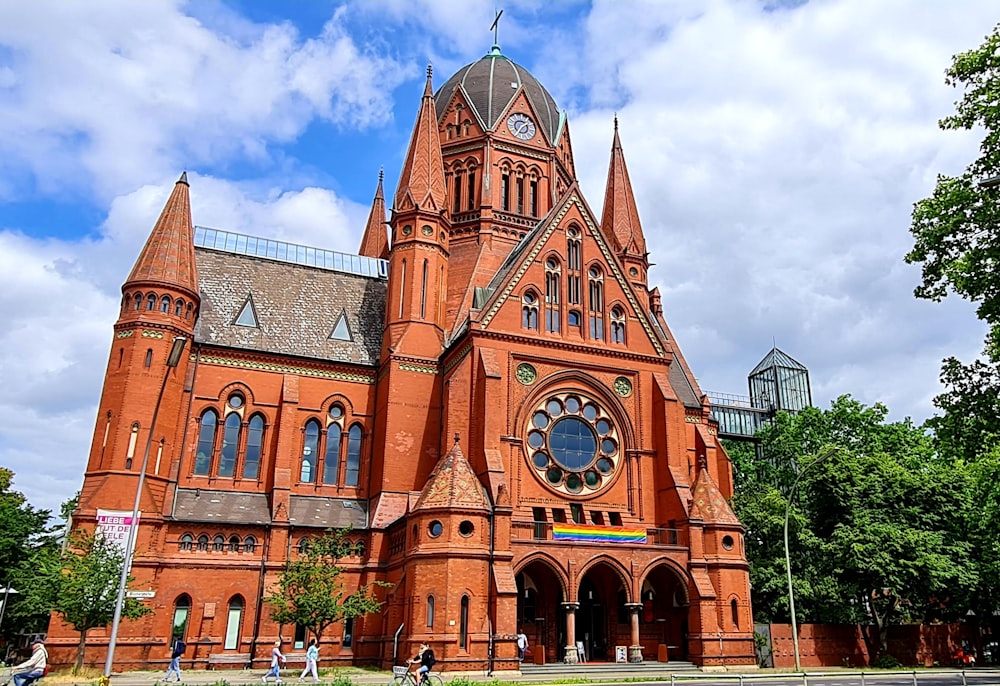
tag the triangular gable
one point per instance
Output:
(248, 314)
(459, 95)
(564, 143)
(515, 105)
(341, 330)
(523, 257)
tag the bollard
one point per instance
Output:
(914, 677)
(963, 678)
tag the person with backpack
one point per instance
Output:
(425, 657)
(34, 668)
(175, 660)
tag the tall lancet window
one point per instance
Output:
(596, 304)
(553, 313)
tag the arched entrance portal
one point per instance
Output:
(602, 619)
(540, 612)
(664, 615)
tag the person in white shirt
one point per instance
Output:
(32, 669)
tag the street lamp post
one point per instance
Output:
(172, 361)
(788, 559)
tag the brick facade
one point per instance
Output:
(503, 416)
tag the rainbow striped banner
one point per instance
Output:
(597, 534)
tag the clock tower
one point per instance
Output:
(507, 160)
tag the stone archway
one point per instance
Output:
(602, 617)
(665, 608)
(540, 613)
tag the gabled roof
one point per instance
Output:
(168, 256)
(777, 358)
(527, 249)
(452, 484)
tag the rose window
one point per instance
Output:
(573, 444)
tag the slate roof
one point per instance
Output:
(491, 83)
(452, 485)
(296, 307)
(168, 257)
(709, 500)
(327, 513)
(201, 505)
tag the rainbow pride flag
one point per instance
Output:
(597, 534)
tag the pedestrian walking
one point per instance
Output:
(277, 661)
(175, 660)
(522, 644)
(312, 657)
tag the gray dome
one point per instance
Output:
(491, 83)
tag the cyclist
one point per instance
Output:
(426, 660)
(32, 669)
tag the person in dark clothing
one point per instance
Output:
(175, 660)
(426, 660)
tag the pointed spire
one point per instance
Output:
(422, 176)
(375, 241)
(706, 495)
(168, 256)
(620, 221)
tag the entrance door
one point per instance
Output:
(592, 621)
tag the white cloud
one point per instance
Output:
(108, 95)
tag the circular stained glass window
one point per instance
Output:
(573, 444)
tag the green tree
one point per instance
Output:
(878, 531)
(81, 584)
(956, 234)
(24, 530)
(311, 592)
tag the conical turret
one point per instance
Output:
(421, 183)
(375, 242)
(167, 259)
(620, 221)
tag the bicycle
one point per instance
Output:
(402, 676)
(8, 676)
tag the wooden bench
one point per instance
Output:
(240, 659)
(298, 658)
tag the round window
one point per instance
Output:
(336, 412)
(435, 529)
(466, 528)
(573, 444)
(727, 542)
(236, 400)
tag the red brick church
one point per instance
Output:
(488, 393)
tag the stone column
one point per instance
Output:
(572, 657)
(634, 648)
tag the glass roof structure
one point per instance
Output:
(280, 251)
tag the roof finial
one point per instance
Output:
(616, 121)
(184, 178)
(381, 173)
(495, 28)
(456, 436)
(428, 87)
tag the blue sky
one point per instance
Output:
(775, 149)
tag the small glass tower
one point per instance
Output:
(779, 383)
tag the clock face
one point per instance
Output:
(521, 126)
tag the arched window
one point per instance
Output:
(735, 610)
(617, 325)
(187, 542)
(230, 443)
(219, 543)
(250, 544)
(309, 448)
(233, 623)
(423, 292)
(430, 612)
(402, 286)
(552, 312)
(206, 443)
(179, 308)
(234, 544)
(533, 197)
(361, 548)
(151, 302)
(505, 192)
(303, 545)
(353, 466)
(138, 301)
(574, 320)
(471, 203)
(529, 311)
(182, 611)
(457, 188)
(149, 358)
(573, 266)
(203, 543)
(190, 308)
(165, 304)
(596, 304)
(255, 441)
(463, 627)
(331, 458)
